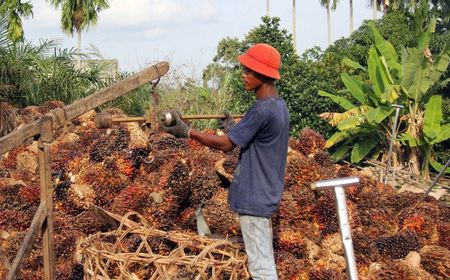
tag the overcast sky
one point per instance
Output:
(186, 32)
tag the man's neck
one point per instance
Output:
(266, 90)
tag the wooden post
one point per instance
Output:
(28, 241)
(45, 176)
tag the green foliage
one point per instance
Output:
(78, 15)
(13, 11)
(412, 82)
(32, 75)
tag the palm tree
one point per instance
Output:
(267, 8)
(329, 5)
(78, 15)
(13, 11)
(351, 15)
(294, 25)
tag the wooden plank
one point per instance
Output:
(45, 177)
(103, 96)
(18, 137)
(28, 241)
(79, 107)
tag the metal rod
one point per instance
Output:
(338, 185)
(204, 117)
(441, 172)
(128, 119)
(344, 225)
(167, 118)
(391, 145)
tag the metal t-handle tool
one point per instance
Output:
(338, 186)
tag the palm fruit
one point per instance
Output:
(326, 274)
(364, 247)
(398, 245)
(310, 141)
(292, 241)
(436, 260)
(288, 265)
(323, 159)
(390, 269)
(219, 216)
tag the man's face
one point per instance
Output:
(251, 79)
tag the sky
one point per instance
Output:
(139, 33)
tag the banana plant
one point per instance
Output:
(421, 81)
(363, 127)
(433, 132)
(410, 80)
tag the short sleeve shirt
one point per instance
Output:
(263, 135)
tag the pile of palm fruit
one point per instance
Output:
(165, 180)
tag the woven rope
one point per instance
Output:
(107, 255)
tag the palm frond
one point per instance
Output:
(5, 42)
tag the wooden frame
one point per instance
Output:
(43, 219)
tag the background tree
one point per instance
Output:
(350, 5)
(78, 15)
(14, 11)
(329, 5)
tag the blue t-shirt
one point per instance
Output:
(263, 135)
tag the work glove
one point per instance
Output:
(180, 129)
(228, 123)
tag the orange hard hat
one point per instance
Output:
(263, 59)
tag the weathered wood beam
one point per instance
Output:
(45, 176)
(103, 96)
(28, 242)
(61, 115)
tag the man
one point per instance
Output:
(263, 135)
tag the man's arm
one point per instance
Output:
(217, 142)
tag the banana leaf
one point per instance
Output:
(336, 138)
(340, 152)
(385, 48)
(350, 123)
(378, 115)
(363, 147)
(408, 139)
(355, 87)
(391, 94)
(420, 74)
(342, 101)
(444, 135)
(374, 71)
(353, 64)
(437, 166)
(432, 118)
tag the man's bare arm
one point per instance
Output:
(217, 142)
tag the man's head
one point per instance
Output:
(262, 59)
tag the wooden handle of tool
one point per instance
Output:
(199, 117)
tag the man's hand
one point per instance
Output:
(180, 129)
(227, 124)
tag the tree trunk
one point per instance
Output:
(294, 27)
(414, 160)
(329, 24)
(413, 127)
(374, 11)
(79, 49)
(267, 8)
(351, 15)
